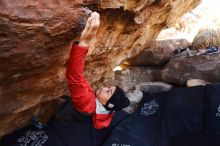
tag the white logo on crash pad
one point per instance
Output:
(33, 138)
(115, 144)
(149, 108)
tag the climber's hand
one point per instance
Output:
(89, 33)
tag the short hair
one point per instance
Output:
(206, 37)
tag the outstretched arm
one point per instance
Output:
(82, 94)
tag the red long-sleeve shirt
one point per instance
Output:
(82, 94)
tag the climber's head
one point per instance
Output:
(112, 98)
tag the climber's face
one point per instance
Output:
(103, 94)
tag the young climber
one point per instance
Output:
(102, 103)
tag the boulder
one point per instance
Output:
(183, 67)
(35, 39)
(155, 87)
(130, 77)
(158, 53)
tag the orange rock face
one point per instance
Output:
(35, 39)
(127, 27)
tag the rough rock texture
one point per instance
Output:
(158, 53)
(177, 68)
(182, 68)
(43, 110)
(155, 87)
(34, 46)
(127, 27)
(35, 42)
(132, 76)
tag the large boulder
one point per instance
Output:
(132, 76)
(35, 41)
(183, 67)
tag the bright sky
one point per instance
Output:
(207, 14)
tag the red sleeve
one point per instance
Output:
(82, 94)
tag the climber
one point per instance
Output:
(102, 103)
